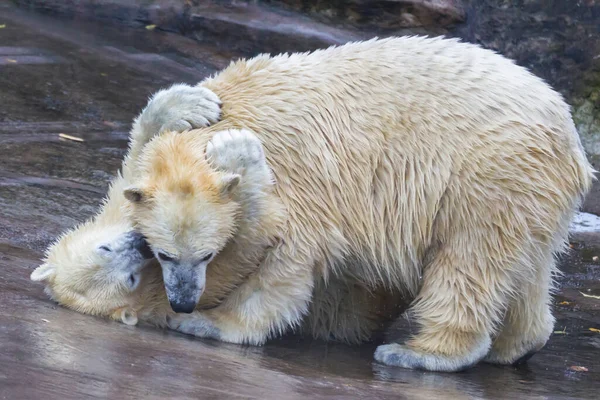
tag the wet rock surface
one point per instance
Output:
(382, 14)
(90, 80)
(558, 40)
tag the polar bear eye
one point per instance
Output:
(207, 257)
(165, 257)
(105, 248)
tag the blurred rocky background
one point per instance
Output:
(558, 40)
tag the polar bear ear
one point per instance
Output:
(129, 316)
(43, 273)
(134, 194)
(228, 182)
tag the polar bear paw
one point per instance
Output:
(398, 355)
(178, 108)
(194, 324)
(236, 151)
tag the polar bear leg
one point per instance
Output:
(491, 256)
(178, 108)
(466, 285)
(270, 302)
(345, 310)
(528, 322)
(239, 151)
(455, 320)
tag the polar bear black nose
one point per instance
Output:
(185, 307)
(138, 242)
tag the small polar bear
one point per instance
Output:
(426, 166)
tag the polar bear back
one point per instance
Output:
(366, 140)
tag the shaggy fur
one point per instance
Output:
(439, 169)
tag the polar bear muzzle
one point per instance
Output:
(184, 284)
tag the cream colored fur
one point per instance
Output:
(439, 169)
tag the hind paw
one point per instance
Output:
(403, 356)
(511, 356)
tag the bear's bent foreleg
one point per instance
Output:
(272, 300)
(347, 310)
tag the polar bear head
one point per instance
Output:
(185, 209)
(97, 268)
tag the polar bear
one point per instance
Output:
(102, 266)
(423, 165)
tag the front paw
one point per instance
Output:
(179, 108)
(235, 151)
(195, 324)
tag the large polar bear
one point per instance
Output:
(418, 165)
(427, 166)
